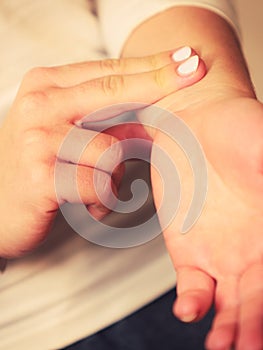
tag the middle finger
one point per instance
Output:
(77, 73)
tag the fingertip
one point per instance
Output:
(191, 71)
(97, 212)
(201, 71)
(190, 64)
(101, 209)
(182, 54)
(105, 202)
(193, 302)
(192, 306)
(185, 309)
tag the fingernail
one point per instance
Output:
(182, 54)
(189, 66)
(188, 318)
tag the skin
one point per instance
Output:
(48, 104)
(223, 103)
(220, 259)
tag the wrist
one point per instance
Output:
(209, 35)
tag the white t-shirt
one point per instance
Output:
(69, 288)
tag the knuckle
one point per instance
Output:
(33, 102)
(111, 65)
(36, 74)
(113, 85)
(159, 78)
(36, 138)
(116, 149)
(111, 145)
(153, 61)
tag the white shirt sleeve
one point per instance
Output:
(119, 18)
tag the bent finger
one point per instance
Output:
(90, 148)
(81, 184)
(195, 290)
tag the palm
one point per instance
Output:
(221, 256)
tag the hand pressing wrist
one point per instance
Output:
(218, 85)
(30, 197)
(213, 39)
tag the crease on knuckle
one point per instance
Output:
(154, 61)
(160, 79)
(111, 65)
(117, 150)
(113, 85)
(33, 101)
(113, 149)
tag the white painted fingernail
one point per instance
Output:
(189, 66)
(182, 54)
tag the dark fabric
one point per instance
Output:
(152, 328)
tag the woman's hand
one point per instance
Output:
(221, 258)
(48, 104)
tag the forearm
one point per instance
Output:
(209, 34)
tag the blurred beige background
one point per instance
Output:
(251, 20)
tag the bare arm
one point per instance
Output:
(209, 34)
(220, 259)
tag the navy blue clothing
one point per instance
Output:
(151, 328)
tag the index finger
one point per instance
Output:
(128, 92)
(53, 104)
(77, 73)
